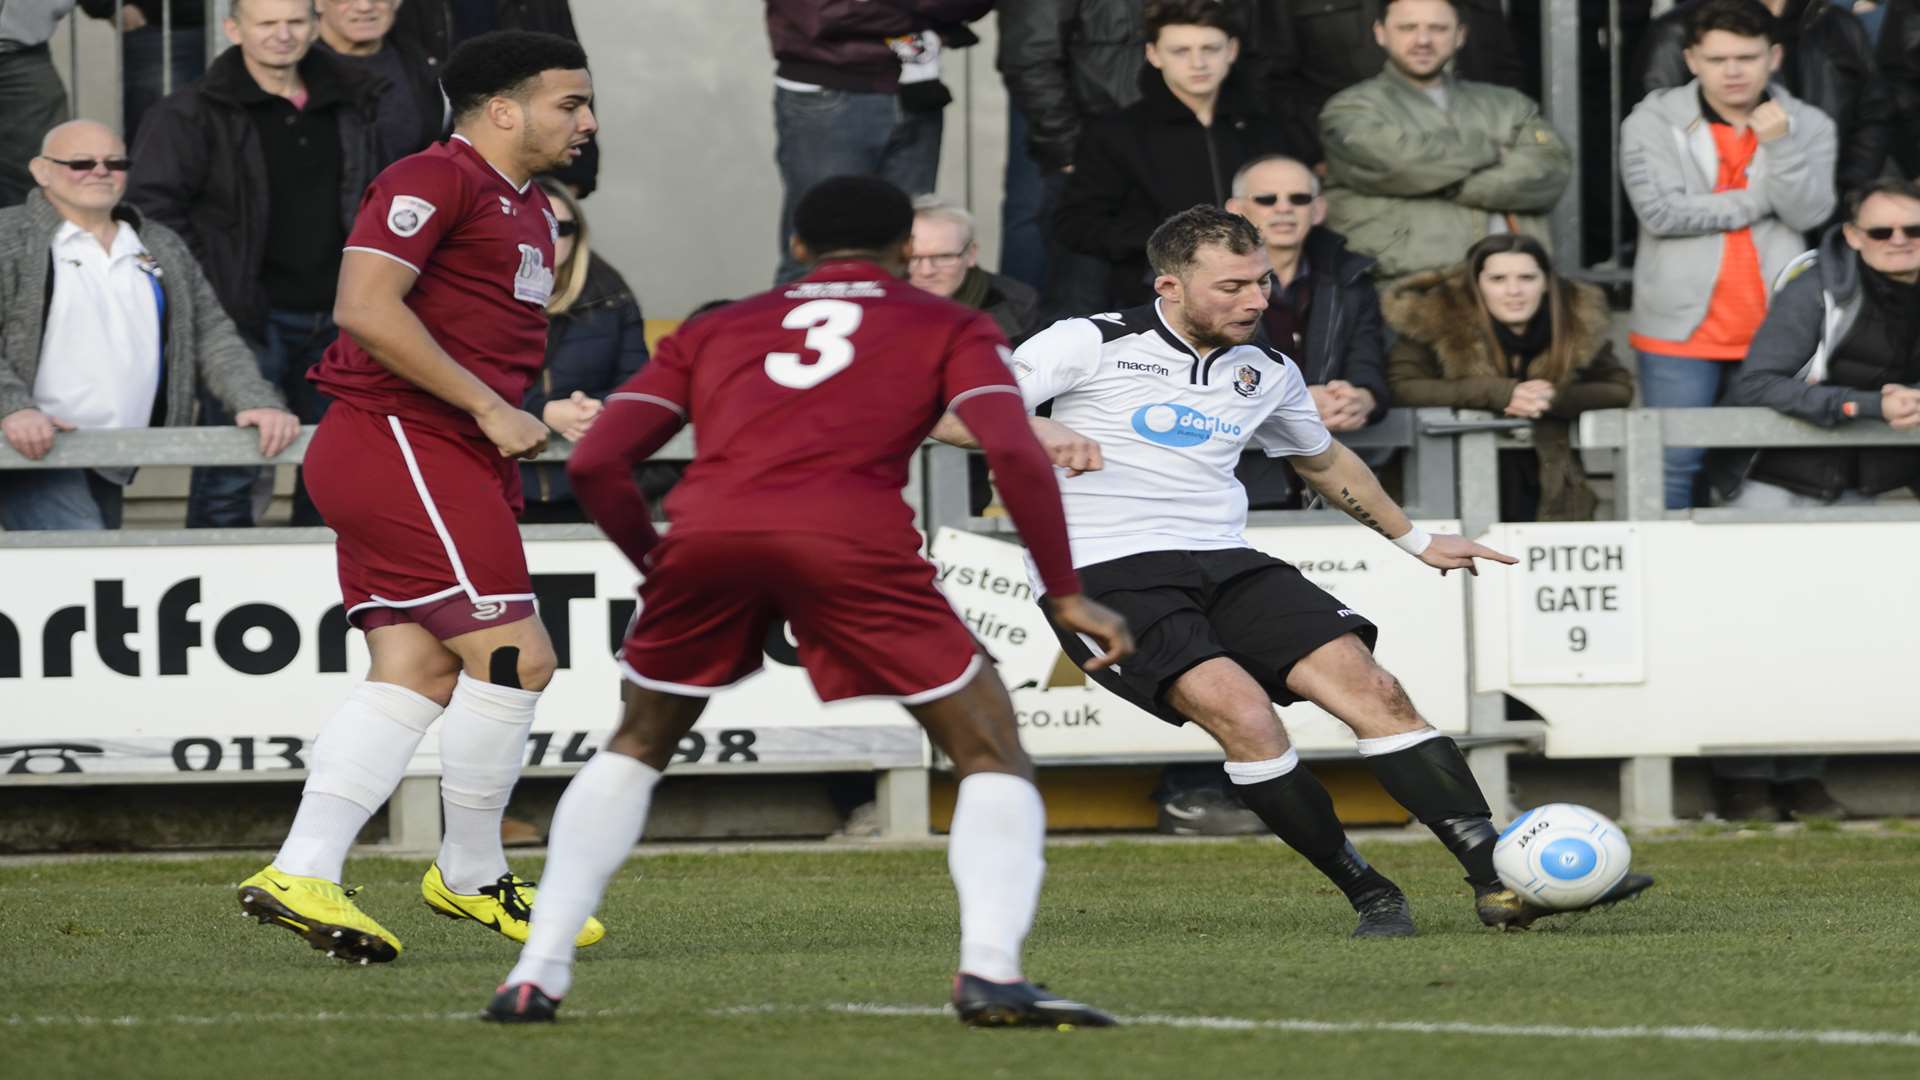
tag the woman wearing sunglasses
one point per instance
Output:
(1504, 333)
(597, 339)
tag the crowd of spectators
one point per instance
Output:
(1387, 151)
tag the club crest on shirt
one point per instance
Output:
(1246, 380)
(406, 215)
(533, 282)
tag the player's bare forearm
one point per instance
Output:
(1347, 483)
(370, 305)
(954, 433)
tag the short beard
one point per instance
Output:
(1216, 337)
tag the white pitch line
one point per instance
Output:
(1668, 1033)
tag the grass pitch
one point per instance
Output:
(1755, 956)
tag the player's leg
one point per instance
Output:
(996, 854)
(1230, 705)
(598, 822)
(1423, 769)
(359, 758)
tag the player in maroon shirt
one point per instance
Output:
(809, 402)
(442, 311)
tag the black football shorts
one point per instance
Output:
(1187, 607)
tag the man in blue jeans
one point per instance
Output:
(857, 91)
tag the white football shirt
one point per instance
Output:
(1171, 421)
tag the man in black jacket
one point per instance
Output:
(1900, 66)
(1841, 344)
(1323, 310)
(1829, 65)
(1176, 147)
(412, 110)
(259, 166)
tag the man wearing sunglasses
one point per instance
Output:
(105, 322)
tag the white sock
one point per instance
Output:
(1254, 772)
(996, 853)
(357, 761)
(1393, 744)
(598, 821)
(483, 743)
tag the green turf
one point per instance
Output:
(1802, 931)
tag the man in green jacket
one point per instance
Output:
(1421, 164)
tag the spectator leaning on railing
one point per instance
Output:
(1726, 173)
(1420, 163)
(1504, 333)
(1842, 343)
(105, 322)
(596, 340)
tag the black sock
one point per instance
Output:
(1432, 780)
(1300, 812)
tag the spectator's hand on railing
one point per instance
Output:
(1531, 399)
(131, 18)
(1449, 552)
(517, 434)
(573, 416)
(1900, 406)
(1067, 448)
(278, 427)
(30, 432)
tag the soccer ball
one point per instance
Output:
(1561, 856)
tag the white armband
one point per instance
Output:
(1415, 542)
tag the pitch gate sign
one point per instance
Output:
(1574, 605)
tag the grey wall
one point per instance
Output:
(688, 204)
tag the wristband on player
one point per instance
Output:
(1414, 542)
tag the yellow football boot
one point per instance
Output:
(506, 906)
(319, 911)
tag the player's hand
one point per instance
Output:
(1097, 621)
(278, 427)
(517, 434)
(573, 416)
(1899, 407)
(30, 432)
(1067, 448)
(1449, 552)
(1769, 121)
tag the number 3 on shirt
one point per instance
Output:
(827, 323)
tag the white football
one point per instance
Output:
(1561, 855)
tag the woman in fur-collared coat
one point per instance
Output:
(1502, 332)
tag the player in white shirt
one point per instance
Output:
(1151, 410)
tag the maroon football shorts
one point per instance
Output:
(865, 614)
(426, 521)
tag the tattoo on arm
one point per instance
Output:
(1360, 513)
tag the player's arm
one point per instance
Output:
(1338, 474)
(636, 422)
(1051, 363)
(371, 305)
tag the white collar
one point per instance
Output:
(125, 241)
(519, 189)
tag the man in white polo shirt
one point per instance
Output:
(1151, 409)
(105, 322)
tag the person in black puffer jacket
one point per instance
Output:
(1900, 65)
(596, 341)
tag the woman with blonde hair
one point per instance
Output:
(1504, 333)
(596, 340)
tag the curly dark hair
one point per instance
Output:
(504, 63)
(1175, 246)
